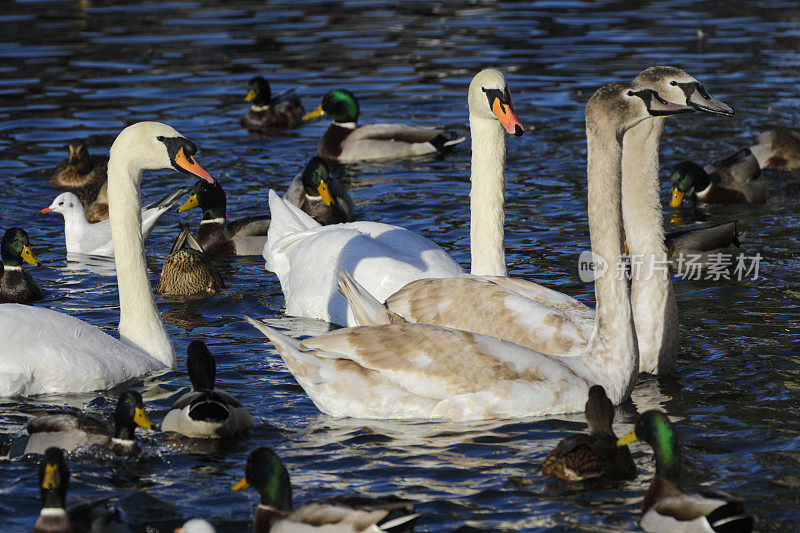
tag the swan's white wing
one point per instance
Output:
(482, 306)
(49, 352)
(403, 371)
(380, 257)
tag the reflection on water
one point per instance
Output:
(89, 68)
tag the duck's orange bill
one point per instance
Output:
(243, 484)
(677, 198)
(505, 114)
(187, 163)
(45, 210)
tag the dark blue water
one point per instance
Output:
(87, 69)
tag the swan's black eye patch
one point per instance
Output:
(500, 94)
(174, 144)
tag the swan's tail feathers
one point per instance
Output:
(282, 342)
(169, 199)
(366, 309)
(286, 220)
(443, 141)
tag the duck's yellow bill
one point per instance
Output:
(191, 203)
(677, 198)
(141, 419)
(243, 484)
(28, 256)
(627, 439)
(251, 95)
(325, 193)
(318, 112)
(50, 478)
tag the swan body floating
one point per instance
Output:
(431, 372)
(346, 142)
(383, 258)
(59, 353)
(542, 319)
(83, 237)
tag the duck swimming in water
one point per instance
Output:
(270, 113)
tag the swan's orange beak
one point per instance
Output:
(510, 121)
(185, 162)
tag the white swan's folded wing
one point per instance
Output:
(51, 352)
(421, 371)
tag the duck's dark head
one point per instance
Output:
(16, 247)
(130, 414)
(265, 472)
(210, 198)
(316, 180)
(258, 91)
(339, 104)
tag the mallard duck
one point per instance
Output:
(777, 150)
(735, 179)
(97, 517)
(320, 195)
(580, 457)
(666, 507)
(265, 472)
(73, 430)
(305, 255)
(270, 113)
(205, 412)
(80, 168)
(94, 198)
(702, 246)
(82, 237)
(65, 355)
(245, 236)
(16, 284)
(346, 142)
(395, 371)
(188, 271)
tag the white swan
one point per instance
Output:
(84, 237)
(545, 320)
(50, 352)
(370, 372)
(383, 258)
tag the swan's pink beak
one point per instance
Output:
(188, 164)
(510, 121)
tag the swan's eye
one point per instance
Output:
(630, 93)
(673, 82)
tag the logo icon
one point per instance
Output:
(591, 266)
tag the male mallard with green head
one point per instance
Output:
(96, 517)
(265, 472)
(594, 455)
(72, 430)
(666, 507)
(319, 194)
(735, 179)
(216, 235)
(267, 113)
(80, 168)
(346, 142)
(16, 284)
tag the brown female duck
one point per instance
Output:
(188, 271)
(80, 168)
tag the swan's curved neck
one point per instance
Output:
(652, 297)
(139, 323)
(612, 345)
(487, 197)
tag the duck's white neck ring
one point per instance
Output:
(15, 268)
(704, 191)
(219, 220)
(348, 125)
(258, 108)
